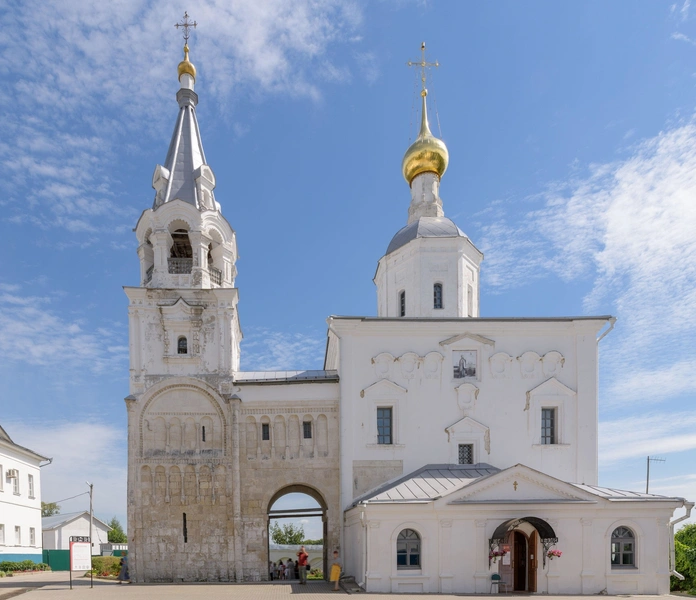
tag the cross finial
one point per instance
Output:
(423, 64)
(186, 24)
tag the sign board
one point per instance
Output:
(80, 556)
(506, 556)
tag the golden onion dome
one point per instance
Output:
(186, 66)
(427, 154)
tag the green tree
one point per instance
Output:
(287, 534)
(116, 535)
(685, 558)
(48, 509)
(318, 542)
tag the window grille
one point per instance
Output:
(384, 426)
(182, 345)
(307, 430)
(548, 426)
(402, 304)
(408, 550)
(148, 274)
(215, 276)
(265, 431)
(180, 266)
(623, 548)
(437, 295)
(466, 454)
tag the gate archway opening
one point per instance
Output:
(291, 509)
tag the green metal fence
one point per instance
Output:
(58, 560)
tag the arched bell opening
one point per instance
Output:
(516, 546)
(180, 253)
(298, 506)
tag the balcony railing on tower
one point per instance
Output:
(215, 276)
(180, 266)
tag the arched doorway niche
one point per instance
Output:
(301, 505)
(525, 540)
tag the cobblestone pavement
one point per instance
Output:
(55, 586)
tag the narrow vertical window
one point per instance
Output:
(15, 483)
(182, 345)
(2, 535)
(18, 535)
(466, 454)
(2, 478)
(307, 430)
(185, 530)
(548, 426)
(203, 433)
(437, 295)
(402, 304)
(384, 426)
(32, 536)
(265, 431)
(31, 486)
(469, 301)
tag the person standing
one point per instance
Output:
(123, 574)
(335, 571)
(302, 557)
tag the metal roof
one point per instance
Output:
(430, 227)
(55, 521)
(428, 483)
(285, 376)
(613, 494)
(473, 319)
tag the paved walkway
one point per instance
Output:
(55, 586)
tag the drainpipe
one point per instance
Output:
(363, 522)
(672, 559)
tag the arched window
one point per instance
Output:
(402, 304)
(623, 548)
(437, 295)
(181, 253)
(408, 550)
(182, 345)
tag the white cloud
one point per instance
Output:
(265, 350)
(40, 336)
(81, 452)
(628, 227)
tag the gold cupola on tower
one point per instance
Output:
(427, 154)
(186, 66)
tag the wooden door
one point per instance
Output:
(532, 562)
(505, 563)
(519, 562)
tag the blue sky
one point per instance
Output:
(572, 138)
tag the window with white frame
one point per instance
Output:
(31, 486)
(18, 535)
(32, 536)
(2, 534)
(466, 454)
(385, 425)
(15, 484)
(548, 426)
(408, 550)
(623, 548)
(437, 295)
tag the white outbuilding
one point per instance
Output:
(58, 529)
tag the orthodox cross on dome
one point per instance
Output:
(186, 24)
(423, 64)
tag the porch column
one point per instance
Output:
(587, 574)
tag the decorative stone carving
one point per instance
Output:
(530, 364)
(552, 363)
(409, 364)
(432, 365)
(383, 364)
(501, 365)
(466, 396)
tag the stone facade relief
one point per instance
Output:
(467, 393)
(552, 363)
(501, 365)
(432, 364)
(530, 364)
(409, 363)
(383, 365)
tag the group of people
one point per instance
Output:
(298, 569)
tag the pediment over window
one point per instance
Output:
(551, 387)
(182, 310)
(383, 389)
(467, 425)
(467, 335)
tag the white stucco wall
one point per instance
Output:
(59, 538)
(19, 509)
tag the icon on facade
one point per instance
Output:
(464, 364)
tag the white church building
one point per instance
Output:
(448, 452)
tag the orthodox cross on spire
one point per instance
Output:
(186, 24)
(423, 64)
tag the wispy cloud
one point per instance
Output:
(265, 350)
(627, 227)
(83, 76)
(39, 335)
(682, 38)
(74, 447)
